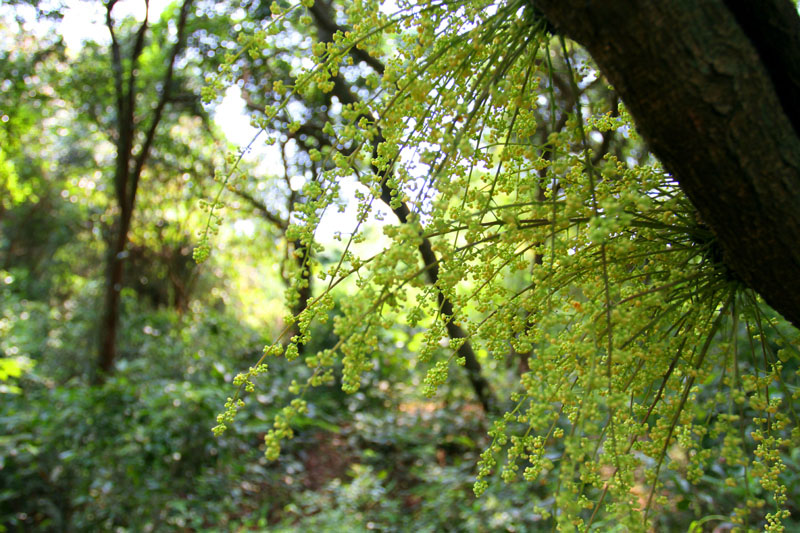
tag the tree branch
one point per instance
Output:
(124, 134)
(141, 157)
(480, 385)
(261, 207)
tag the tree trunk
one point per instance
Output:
(109, 321)
(129, 168)
(713, 87)
(300, 253)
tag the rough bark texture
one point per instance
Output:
(712, 85)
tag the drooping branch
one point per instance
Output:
(323, 16)
(706, 102)
(474, 371)
(296, 251)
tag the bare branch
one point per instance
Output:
(141, 157)
(261, 207)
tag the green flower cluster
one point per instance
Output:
(556, 243)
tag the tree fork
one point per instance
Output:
(128, 171)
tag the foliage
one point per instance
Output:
(641, 346)
(519, 323)
(136, 452)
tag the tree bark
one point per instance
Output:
(109, 321)
(715, 98)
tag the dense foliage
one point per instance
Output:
(517, 323)
(590, 264)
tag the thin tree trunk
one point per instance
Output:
(110, 318)
(128, 171)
